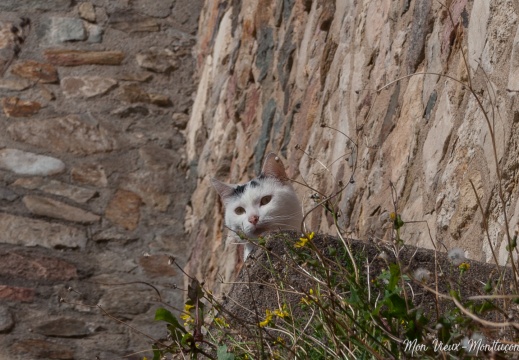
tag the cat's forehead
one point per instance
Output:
(239, 190)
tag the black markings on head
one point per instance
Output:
(240, 189)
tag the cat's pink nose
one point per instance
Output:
(253, 219)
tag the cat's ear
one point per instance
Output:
(273, 167)
(225, 190)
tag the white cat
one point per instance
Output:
(267, 203)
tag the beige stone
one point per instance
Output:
(64, 57)
(19, 230)
(134, 94)
(45, 206)
(91, 174)
(16, 85)
(87, 11)
(65, 134)
(86, 86)
(75, 193)
(158, 60)
(124, 209)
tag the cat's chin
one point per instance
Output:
(256, 232)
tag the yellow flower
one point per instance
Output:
(308, 299)
(280, 340)
(303, 240)
(464, 266)
(282, 313)
(268, 318)
(186, 315)
(220, 322)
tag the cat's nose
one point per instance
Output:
(253, 219)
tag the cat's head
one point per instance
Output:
(267, 203)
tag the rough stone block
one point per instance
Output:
(14, 293)
(64, 57)
(86, 86)
(31, 266)
(19, 230)
(44, 206)
(15, 107)
(63, 327)
(124, 209)
(36, 71)
(26, 163)
(63, 135)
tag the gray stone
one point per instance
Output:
(86, 86)
(44, 206)
(126, 302)
(54, 187)
(132, 110)
(6, 319)
(26, 163)
(67, 29)
(6, 194)
(513, 77)
(63, 135)
(19, 230)
(55, 5)
(63, 327)
(155, 8)
(418, 33)
(112, 234)
(95, 33)
(265, 51)
(267, 119)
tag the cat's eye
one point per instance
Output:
(265, 200)
(239, 210)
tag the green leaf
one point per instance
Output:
(222, 353)
(156, 353)
(394, 269)
(176, 334)
(165, 315)
(397, 306)
(187, 340)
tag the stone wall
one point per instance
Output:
(94, 180)
(316, 82)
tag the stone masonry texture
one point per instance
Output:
(94, 177)
(115, 114)
(365, 95)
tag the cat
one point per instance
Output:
(266, 203)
